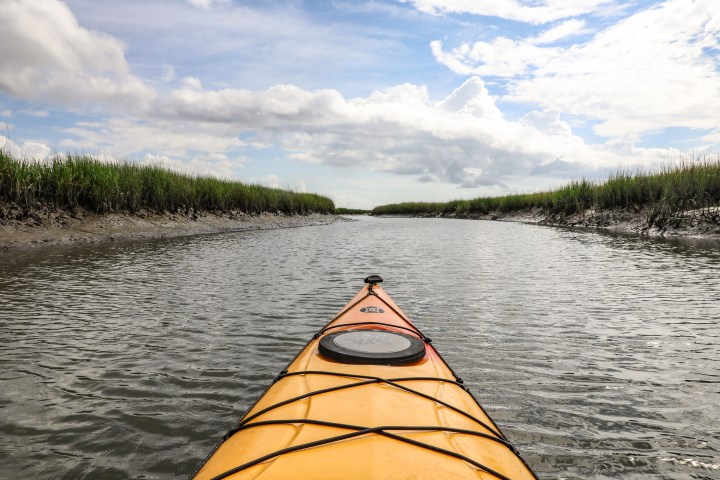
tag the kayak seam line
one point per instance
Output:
(391, 381)
(369, 380)
(496, 427)
(359, 433)
(459, 382)
(419, 428)
(301, 397)
(372, 293)
(224, 437)
(393, 309)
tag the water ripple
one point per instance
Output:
(597, 354)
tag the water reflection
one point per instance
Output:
(597, 354)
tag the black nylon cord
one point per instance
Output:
(378, 430)
(409, 428)
(369, 380)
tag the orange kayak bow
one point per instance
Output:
(368, 397)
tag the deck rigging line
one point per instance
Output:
(244, 423)
(360, 431)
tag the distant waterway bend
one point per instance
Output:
(597, 355)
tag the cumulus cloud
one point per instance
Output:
(47, 55)
(501, 57)
(272, 181)
(216, 165)
(31, 112)
(463, 139)
(534, 12)
(30, 150)
(176, 137)
(505, 57)
(472, 98)
(547, 121)
(562, 31)
(192, 83)
(647, 72)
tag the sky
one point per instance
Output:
(367, 102)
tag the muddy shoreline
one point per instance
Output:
(22, 228)
(701, 223)
(43, 225)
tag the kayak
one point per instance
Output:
(369, 397)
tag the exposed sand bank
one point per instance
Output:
(44, 225)
(701, 223)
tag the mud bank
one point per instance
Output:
(43, 226)
(701, 223)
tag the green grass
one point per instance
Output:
(351, 211)
(83, 181)
(690, 185)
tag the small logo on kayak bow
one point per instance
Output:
(372, 310)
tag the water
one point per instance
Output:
(597, 355)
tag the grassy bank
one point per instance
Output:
(692, 185)
(351, 211)
(82, 181)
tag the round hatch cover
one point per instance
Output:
(367, 347)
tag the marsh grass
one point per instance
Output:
(83, 181)
(351, 211)
(677, 188)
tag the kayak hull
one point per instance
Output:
(327, 419)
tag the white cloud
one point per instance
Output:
(564, 30)
(463, 139)
(534, 12)
(272, 181)
(648, 72)
(713, 137)
(35, 113)
(547, 121)
(501, 57)
(192, 83)
(472, 98)
(354, 198)
(206, 4)
(215, 165)
(505, 57)
(173, 137)
(46, 55)
(256, 44)
(6, 113)
(35, 150)
(30, 150)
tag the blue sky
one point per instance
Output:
(368, 102)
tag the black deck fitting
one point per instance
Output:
(373, 279)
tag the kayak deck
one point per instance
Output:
(327, 419)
